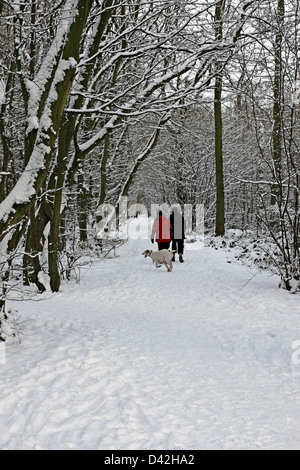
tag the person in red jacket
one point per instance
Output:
(161, 231)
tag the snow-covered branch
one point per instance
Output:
(48, 95)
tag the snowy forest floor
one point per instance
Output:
(135, 357)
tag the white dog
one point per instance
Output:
(160, 257)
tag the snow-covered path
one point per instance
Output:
(138, 358)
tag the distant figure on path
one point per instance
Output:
(161, 231)
(178, 233)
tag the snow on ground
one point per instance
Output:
(138, 358)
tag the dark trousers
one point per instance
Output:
(163, 246)
(178, 245)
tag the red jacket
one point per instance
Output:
(161, 229)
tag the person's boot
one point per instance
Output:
(173, 259)
(181, 258)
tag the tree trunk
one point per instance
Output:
(34, 252)
(65, 138)
(220, 202)
(67, 132)
(7, 157)
(277, 118)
